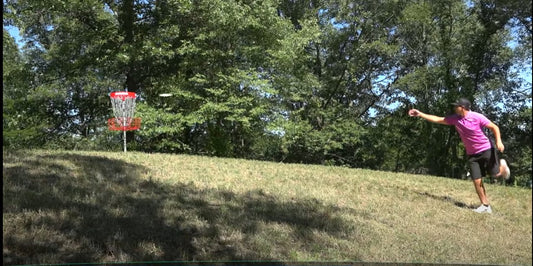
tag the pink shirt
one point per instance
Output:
(470, 130)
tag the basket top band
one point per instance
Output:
(122, 95)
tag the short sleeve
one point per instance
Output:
(451, 119)
(483, 120)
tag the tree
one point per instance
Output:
(23, 123)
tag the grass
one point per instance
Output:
(73, 207)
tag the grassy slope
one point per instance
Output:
(112, 207)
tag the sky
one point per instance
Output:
(14, 32)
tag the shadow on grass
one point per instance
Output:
(448, 199)
(71, 208)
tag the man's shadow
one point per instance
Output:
(447, 199)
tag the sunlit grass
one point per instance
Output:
(62, 207)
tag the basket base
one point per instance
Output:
(124, 123)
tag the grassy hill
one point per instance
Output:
(67, 207)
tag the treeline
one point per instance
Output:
(310, 81)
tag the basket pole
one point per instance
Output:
(124, 130)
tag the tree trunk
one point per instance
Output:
(127, 18)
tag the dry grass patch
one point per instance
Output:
(67, 207)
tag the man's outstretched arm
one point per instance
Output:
(430, 118)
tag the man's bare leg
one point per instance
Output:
(480, 189)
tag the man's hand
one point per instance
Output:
(430, 118)
(500, 146)
(414, 112)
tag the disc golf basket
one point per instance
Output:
(123, 103)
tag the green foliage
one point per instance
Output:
(335, 144)
(161, 130)
(23, 123)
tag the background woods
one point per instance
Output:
(312, 81)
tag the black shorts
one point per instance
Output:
(482, 162)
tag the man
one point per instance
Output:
(481, 155)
